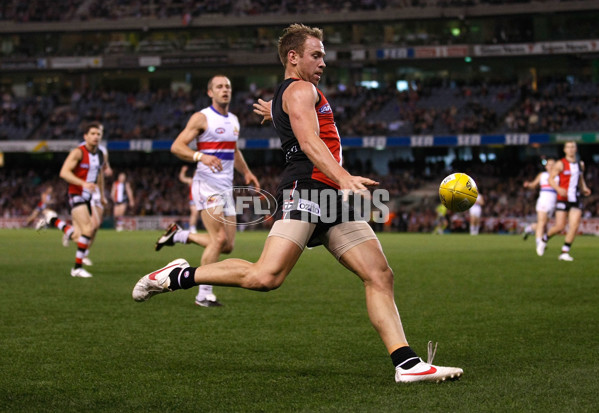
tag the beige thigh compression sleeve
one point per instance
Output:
(340, 238)
(293, 230)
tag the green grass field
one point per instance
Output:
(524, 329)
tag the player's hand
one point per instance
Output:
(356, 185)
(562, 191)
(89, 186)
(104, 201)
(250, 178)
(212, 162)
(262, 108)
(586, 191)
(184, 168)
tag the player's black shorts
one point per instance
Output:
(76, 200)
(316, 202)
(567, 205)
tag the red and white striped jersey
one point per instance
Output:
(568, 179)
(88, 169)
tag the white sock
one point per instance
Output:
(181, 236)
(203, 291)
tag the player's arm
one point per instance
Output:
(242, 167)
(101, 187)
(106, 167)
(183, 176)
(534, 182)
(68, 167)
(130, 194)
(586, 191)
(558, 167)
(180, 147)
(298, 102)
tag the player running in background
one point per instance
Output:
(442, 223)
(215, 131)
(122, 195)
(304, 122)
(98, 207)
(193, 211)
(82, 170)
(475, 213)
(570, 189)
(545, 204)
(46, 200)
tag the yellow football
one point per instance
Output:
(458, 192)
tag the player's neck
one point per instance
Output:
(91, 148)
(571, 159)
(222, 109)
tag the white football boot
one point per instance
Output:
(427, 371)
(564, 256)
(541, 245)
(156, 282)
(80, 272)
(167, 237)
(44, 222)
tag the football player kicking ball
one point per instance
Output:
(304, 122)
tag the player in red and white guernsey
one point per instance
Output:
(97, 208)
(215, 131)
(304, 122)
(122, 195)
(570, 189)
(83, 171)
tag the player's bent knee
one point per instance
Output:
(264, 281)
(381, 279)
(227, 248)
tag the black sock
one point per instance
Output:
(53, 221)
(545, 238)
(182, 278)
(405, 358)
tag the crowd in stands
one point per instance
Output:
(40, 10)
(158, 191)
(438, 108)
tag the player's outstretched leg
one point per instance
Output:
(158, 281)
(167, 237)
(426, 371)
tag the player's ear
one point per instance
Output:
(293, 56)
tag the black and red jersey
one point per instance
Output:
(298, 166)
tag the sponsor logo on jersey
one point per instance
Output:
(220, 131)
(302, 205)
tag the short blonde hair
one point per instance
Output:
(209, 86)
(294, 37)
